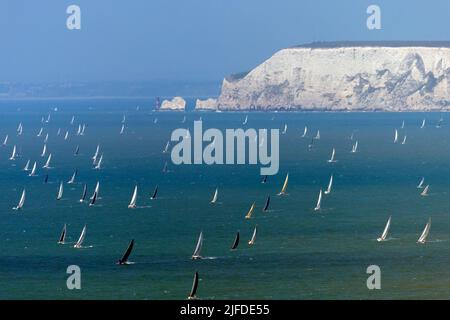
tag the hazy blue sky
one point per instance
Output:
(189, 39)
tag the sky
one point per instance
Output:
(141, 40)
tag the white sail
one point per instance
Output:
(79, 130)
(132, 204)
(21, 201)
(40, 132)
(285, 184)
(252, 240)
(404, 140)
(385, 231)
(20, 129)
(5, 142)
(304, 132)
(333, 153)
(124, 119)
(317, 137)
(319, 201)
(122, 129)
(96, 190)
(47, 163)
(425, 191)
(395, 136)
(423, 124)
(420, 185)
(72, 179)
(60, 191)
(166, 148)
(94, 157)
(403, 124)
(14, 153)
(81, 239)
(72, 120)
(198, 247)
(355, 147)
(423, 237)
(330, 184)
(44, 150)
(216, 193)
(245, 121)
(284, 129)
(66, 136)
(99, 163)
(83, 129)
(27, 166)
(33, 170)
(46, 138)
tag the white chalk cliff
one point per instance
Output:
(392, 76)
(208, 104)
(177, 104)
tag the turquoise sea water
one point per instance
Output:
(299, 253)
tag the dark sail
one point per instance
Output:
(77, 150)
(62, 237)
(46, 178)
(236, 242)
(127, 253)
(266, 206)
(94, 198)
(264, 180)
(154, 193)
(194, 287)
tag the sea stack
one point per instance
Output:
(345, 76)
(206, 105)
(176, 104)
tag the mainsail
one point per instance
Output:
(132, 204)
(235, 242)
(250, 212)
(62, 237)
(319, 201)
(252, 240)
(124, 259)
(81, 239)
(285, 184)
(198, 247)
(385, 231)
(21, 201)
(424, 235)
(330, 184)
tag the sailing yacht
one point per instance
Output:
(403, 124)
(253, 239)
(423, 237)
(60, 191)
(235, 242)
(33, 170)
(266, 206)
(72, 179)
(404, 140)
(46, 138)
(40, 132)
(155, 192)
(216, 193)
(21, 201)
(27, 166)
(132, 204)
(423, 124)
(14, 154)
(425, 191)
(83, 195)
(285, 184)
(250, 212)
(264, 180)
(62, 237)
(284, 129)
(166, 148)
(66, 136)
(44, 151)
(80, 241)
(245, 121)
(124, 259)
(77, 150)
(98, 166)
(304, 132)
(5, 142)
(198, 248)
(355, 147)
(333, 153)
(93, 199)
(96, 190)
(122, 129)
(47, 163)
(192, 294)
(395, 136)
(385, 231)
(420, 185)
(319, 201)
(317, 137)
(330, 184)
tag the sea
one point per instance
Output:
(299, 253)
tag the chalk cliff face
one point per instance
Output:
(346, 76)
(208, 104)
(176, 104)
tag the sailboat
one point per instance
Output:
(164, 170)
(93, 199)
(48, 118)
(425, 191)
(330, 184)
(404, 140)
(60, 191)
(250, 212)
(46, 138)
(132, 204)
(83, 195)
(124, 119)
(44, 150)
(184, 119)
(333, 153)
(166, 148)
(420, 185)
(99, 163)
(285, 184)
(46, 178)
(385, 231)
(79, 130)
(20, 129)
(47, 163)
(216, 193)
(5, 142)
(122, 129)
(27, 166)
(33, 170)
(83, 129)
(77, 151)
(317, 137)
(266, 206)
(124, 259)
(395, 136)
(72, 180)
(62, 237)
(81, 238)
(355, 147)
(304, 132)
(40, 132)
(72, 120)
(253, 239)
(96, 190)
(21, 201)
(14, 154)
(403, 124)
(94, 157)
(245, 121)
(58, 133)
(198, 248)
(423, 237)
(235, 242)
(192, 294)
(155, 192)
(423, 124)
(285, 129)
(264, 180)
(66, 136)
(319, 201)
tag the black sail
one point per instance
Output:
(127, 253)
(236, 242)
(154, 193)
(194, 286)
(266, 206)
(94, 198)
(83, 196)
(62, 237)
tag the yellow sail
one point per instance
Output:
(283, 190)
(249, 213)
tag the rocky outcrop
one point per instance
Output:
(176, 104)
(206, 105)
(347, 76)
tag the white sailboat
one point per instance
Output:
(166, 148)
(330, 184)
(72, 120)
(333, 153)
(245, 121)
(44, 150)
(33, 170)
(5, 142)
(420, 185)
(98, 166)
(423, 124)
(20, 129)
(46, 138)
(355, 147)
(385, 231)
(60, 191)
(79, 130)
(404, 140)
(72, 179)
(132, 204)
(250, 212)
(198, 248)
(403, 124)
(284, 129)
(122, 129)
(81, 238)
(319, 201)
(317, 137)
(47, 163)
(216, 194)
(66, 136)
(14, 154)
(425, 191)
(285, 184)
(96, 191)
(253, 239)
(304, 132)
(40, 132)
(21, 201)
(27, 166)
(423, 237)
(94, 157)
(83, 129)
(395, 136)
